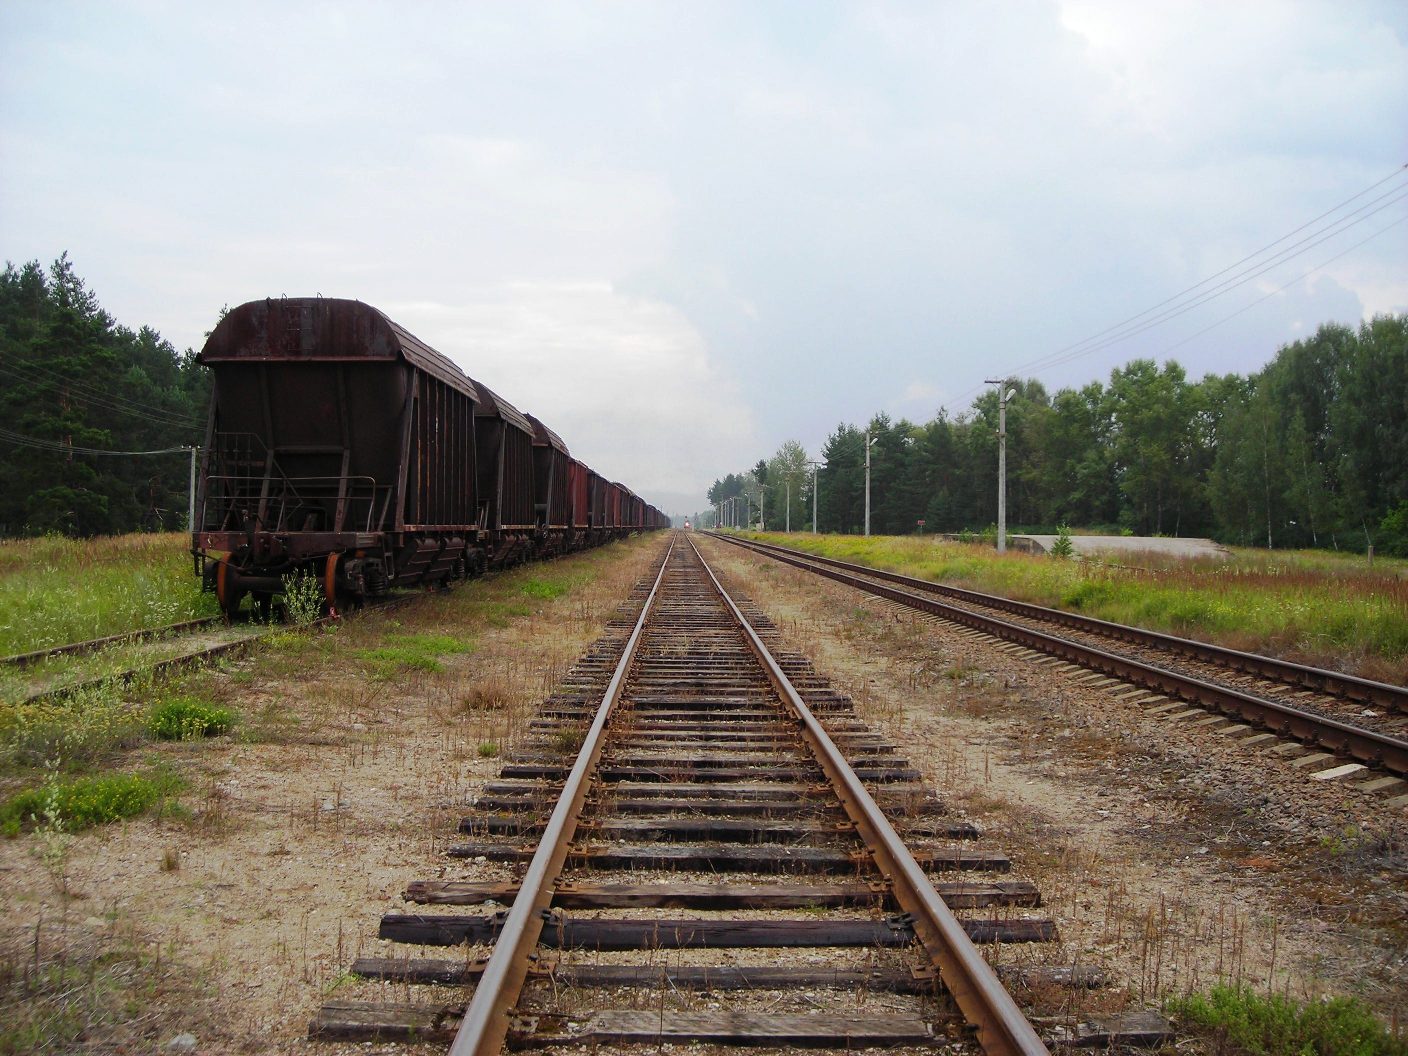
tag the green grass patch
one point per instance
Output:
(86, 801)
(188, 719)
(1238, 1021)
(412, 652)
(546, 589)
(1324, 606)
(55, 590)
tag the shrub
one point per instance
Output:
(303, 595)
(1063, 547)
(1240, 1021)
(86, 801)
(1393, 531)
(187, 718)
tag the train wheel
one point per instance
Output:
(227, 590)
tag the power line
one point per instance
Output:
(1189, 298)
(1226, 286)
(40, 444)
(1285, 286)
(109, 401)
(1253, 255)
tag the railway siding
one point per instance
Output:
(1315, 716)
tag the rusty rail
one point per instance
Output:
(1365, 746)
(985, 1003)
(1334, 683)
(94, 644)
(488, 1018)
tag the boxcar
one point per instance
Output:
(340, 445)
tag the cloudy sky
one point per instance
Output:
(682, 233)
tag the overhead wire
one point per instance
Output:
(83, 394)
(41, 444)
(1190, 298)
(1396, 174)
(1285, 286)
(1243, 277)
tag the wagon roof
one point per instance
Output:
(492, 404)
(545, 437)
(323, 328)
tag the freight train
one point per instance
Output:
(342, 447)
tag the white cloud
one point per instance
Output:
(626, 381)
(747, 221)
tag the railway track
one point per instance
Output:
(1358, 720)
(28, 685)
(693, 802)
(93, 645)
(36, 679)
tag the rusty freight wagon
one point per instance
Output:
(341, 446)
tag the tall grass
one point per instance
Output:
(1327, 610)
(55, 590)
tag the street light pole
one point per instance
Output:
(868, 442)
(1002, 398)
(816, 496)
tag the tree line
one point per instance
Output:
(76, 388)
(1312, 450)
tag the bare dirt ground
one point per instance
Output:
(1167, 854)
(234, 916)
(1170, 858)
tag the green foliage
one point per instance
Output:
(78, 804)
(188, 719)
(1301, 453)
(1393, 531)
(74, 378)
(303, 595)
(1239, 1021)
(488, 749)
(1063, 548)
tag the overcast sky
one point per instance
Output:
(682, 233)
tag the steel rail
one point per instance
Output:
(1366, 746)
(488, 1018)
(172, 664)
(1001, 1027)
(94, 644)
(1336, 683)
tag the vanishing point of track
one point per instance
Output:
(696, 753)
(1152, 661)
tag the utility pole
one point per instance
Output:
(191, 503)
(762, 509)
(868, 442)
(816, 495)
(1002, 398)
(788, 482)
